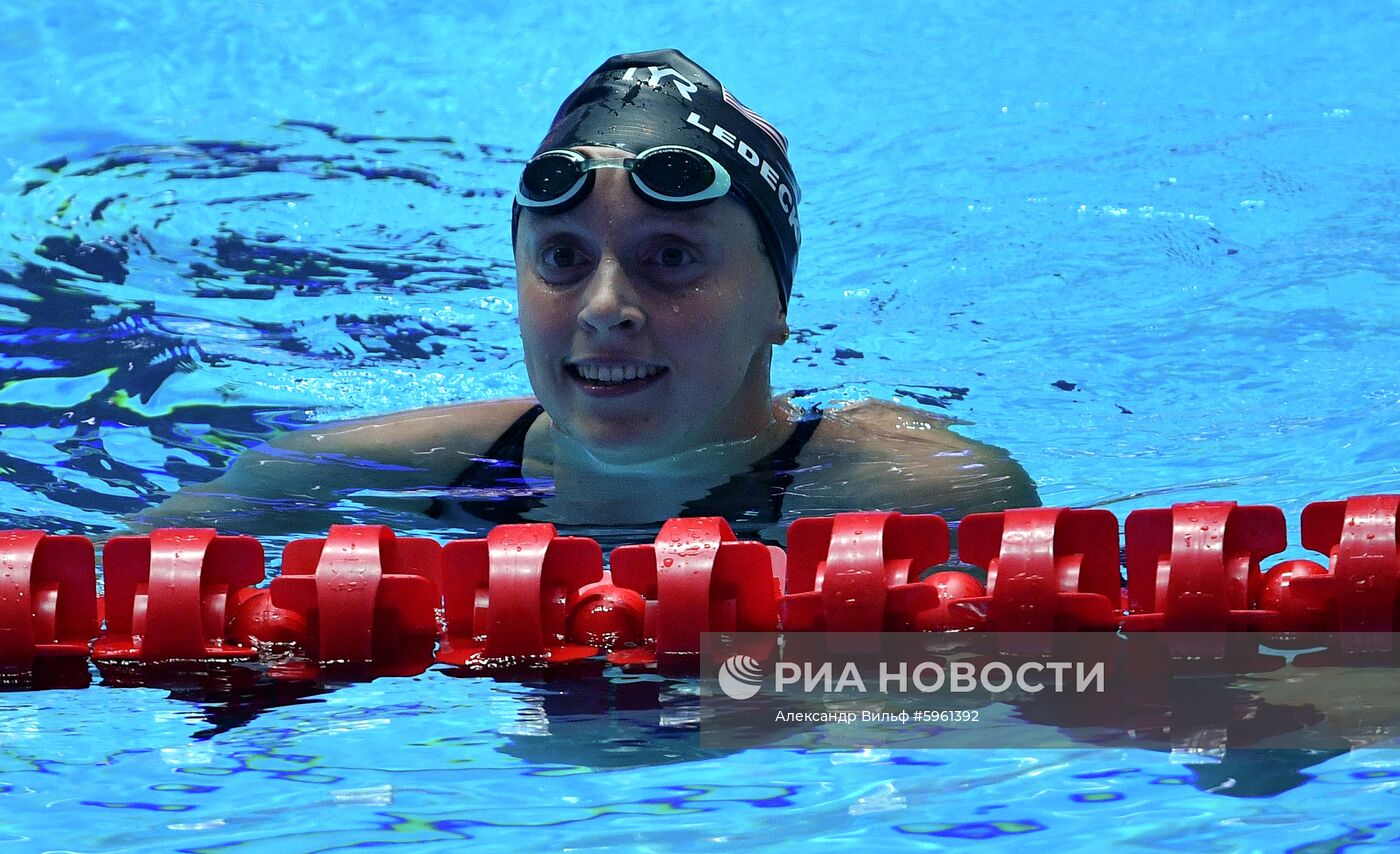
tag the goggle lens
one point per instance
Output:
(549, 176)
(674, 172)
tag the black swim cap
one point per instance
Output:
(634, 101)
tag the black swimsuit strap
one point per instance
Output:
(500, 464)
(784, 457)
(509, 447)
(782, 463)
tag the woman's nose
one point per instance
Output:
(610, 301)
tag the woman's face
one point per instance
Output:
(647, 330)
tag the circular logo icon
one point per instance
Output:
(740, 677)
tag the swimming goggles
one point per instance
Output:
(670, 176)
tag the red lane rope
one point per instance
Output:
(525, 595)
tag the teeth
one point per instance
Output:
(616, 373)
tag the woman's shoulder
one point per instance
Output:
(415, 437)
(878, 423)
(897, 457)
(875, 428)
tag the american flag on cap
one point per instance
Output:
(755, 118)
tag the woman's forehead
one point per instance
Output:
(605, 151)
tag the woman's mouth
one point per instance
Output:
(613, 379)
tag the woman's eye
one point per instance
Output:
(560, 257)
(674, 256)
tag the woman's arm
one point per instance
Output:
(374, 469)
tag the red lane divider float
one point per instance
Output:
(697, 577)
(859, 572)
(1194, 571)
(170, 595)
(1195, 567)
(1359, 595)
(48, 598)
(506, 596)
(1048, 569)
(362, 594)
(524, 595)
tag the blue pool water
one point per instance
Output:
(1149, 249)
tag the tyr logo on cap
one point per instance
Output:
(658, 73)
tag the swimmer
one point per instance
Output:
(656, 236)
